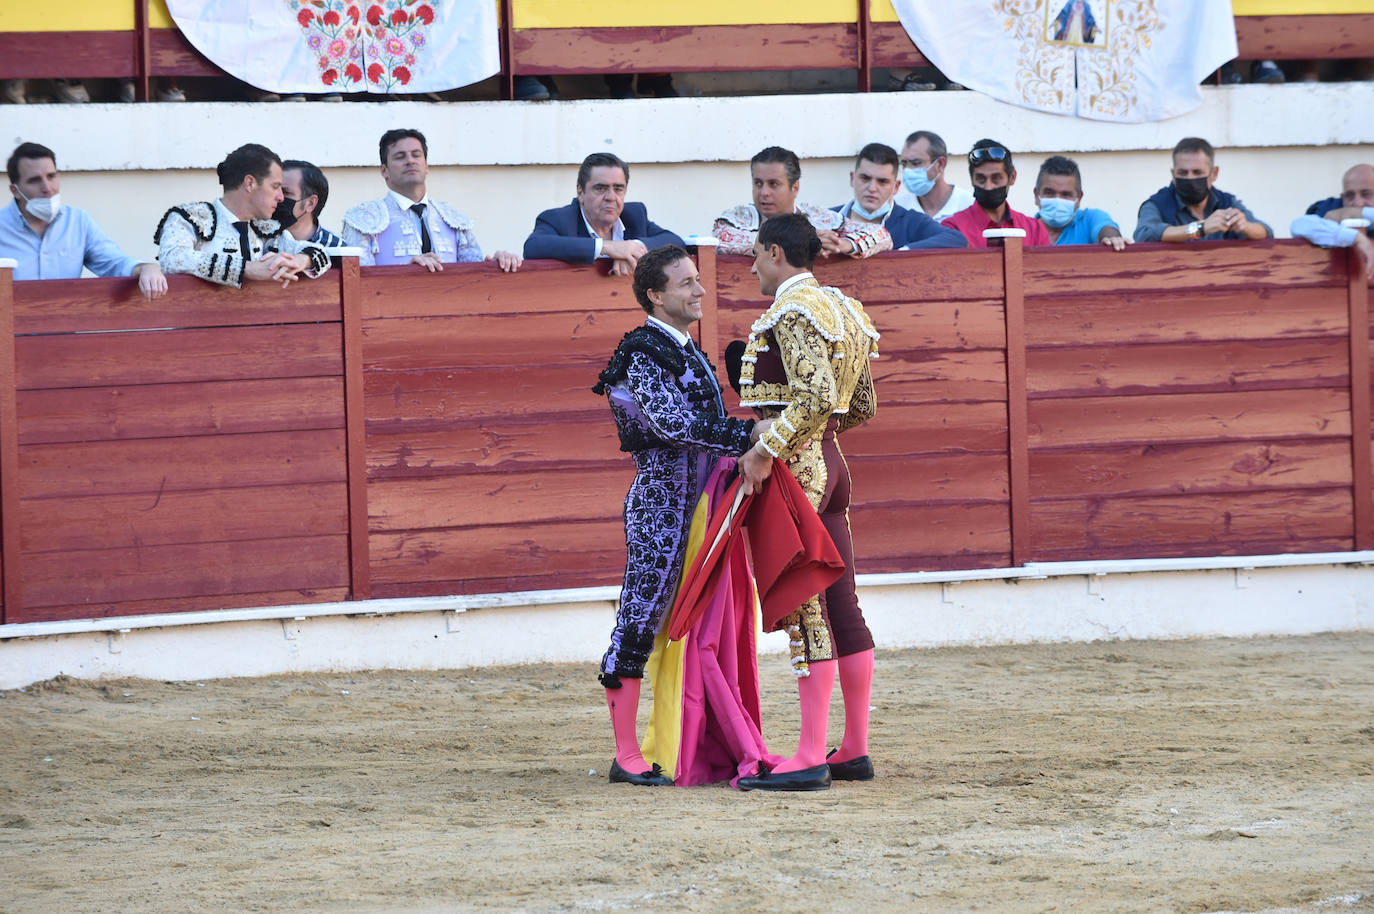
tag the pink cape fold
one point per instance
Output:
(721, 718)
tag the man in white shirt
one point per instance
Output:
(235, 239)
(407, 225)
(924, 188)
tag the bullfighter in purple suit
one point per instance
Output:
(668, 411)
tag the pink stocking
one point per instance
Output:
(815, 692)
(856, 682)
(624, 705)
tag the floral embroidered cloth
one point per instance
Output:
(378, 46)
(1110, 60)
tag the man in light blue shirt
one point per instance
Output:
(1336, 222)
(1058, 191)
(52, 241)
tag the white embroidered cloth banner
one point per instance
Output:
(345, 45)
(1111, 60)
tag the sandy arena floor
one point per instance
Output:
(1228, 775)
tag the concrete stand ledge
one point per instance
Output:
(1043, 602)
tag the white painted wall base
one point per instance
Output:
(1065, 602)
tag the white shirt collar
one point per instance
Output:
(790, 282)
(405, 202)
(224, 208)
(617, 230)
(675, 333)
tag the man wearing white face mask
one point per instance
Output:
(924, 188)
(1058, 191)
(875, 181)
(53, 241)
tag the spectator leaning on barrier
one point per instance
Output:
(598, 222)
(924, 188)
(1191, 208)
(407, 225)
(875, 181)
(776, 175)
(235, 239)
(993, 174)
(1322, 225)
(1356, 200)
(305, 190)
(1058, 191)
(53, 241)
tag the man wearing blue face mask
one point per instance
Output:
(875, 182)
(53, 241)
(1192, 208)
(1058, 191)
(924, 188)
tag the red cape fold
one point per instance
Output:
(793, 556)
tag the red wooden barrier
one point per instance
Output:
(187, 453)
(940, 442)
(389, 432)
(1197, 406)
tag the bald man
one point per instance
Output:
(1356, 200)
(1322, 224)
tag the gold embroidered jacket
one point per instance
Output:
(807, 359)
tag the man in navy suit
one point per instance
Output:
(598, 223)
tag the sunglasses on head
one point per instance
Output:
(987, 154)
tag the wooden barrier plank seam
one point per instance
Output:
(355, 424)
(11, 566)
(584, 520)
(1018, 435)
(1357, 297)
(1186, 493)
(1162, 443)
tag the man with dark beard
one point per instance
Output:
(1192, 207)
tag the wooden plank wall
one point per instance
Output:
(182, 454)
(491, 465)
(1189, 406)
(931, 471)
(389, 432)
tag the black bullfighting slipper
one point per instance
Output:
(654, 777)
(816, 777)
(856, 769)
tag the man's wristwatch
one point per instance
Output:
(1195, 229)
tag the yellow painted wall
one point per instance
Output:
(115, 15)
(1297, 8)
(80, 16)
(543, 14)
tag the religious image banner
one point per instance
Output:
(382, 46)
(1110, 60)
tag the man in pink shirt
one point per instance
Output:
(991, 171)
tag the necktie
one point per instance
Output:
(425, 244)
(245, 248)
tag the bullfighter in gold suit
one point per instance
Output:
(806, 365)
